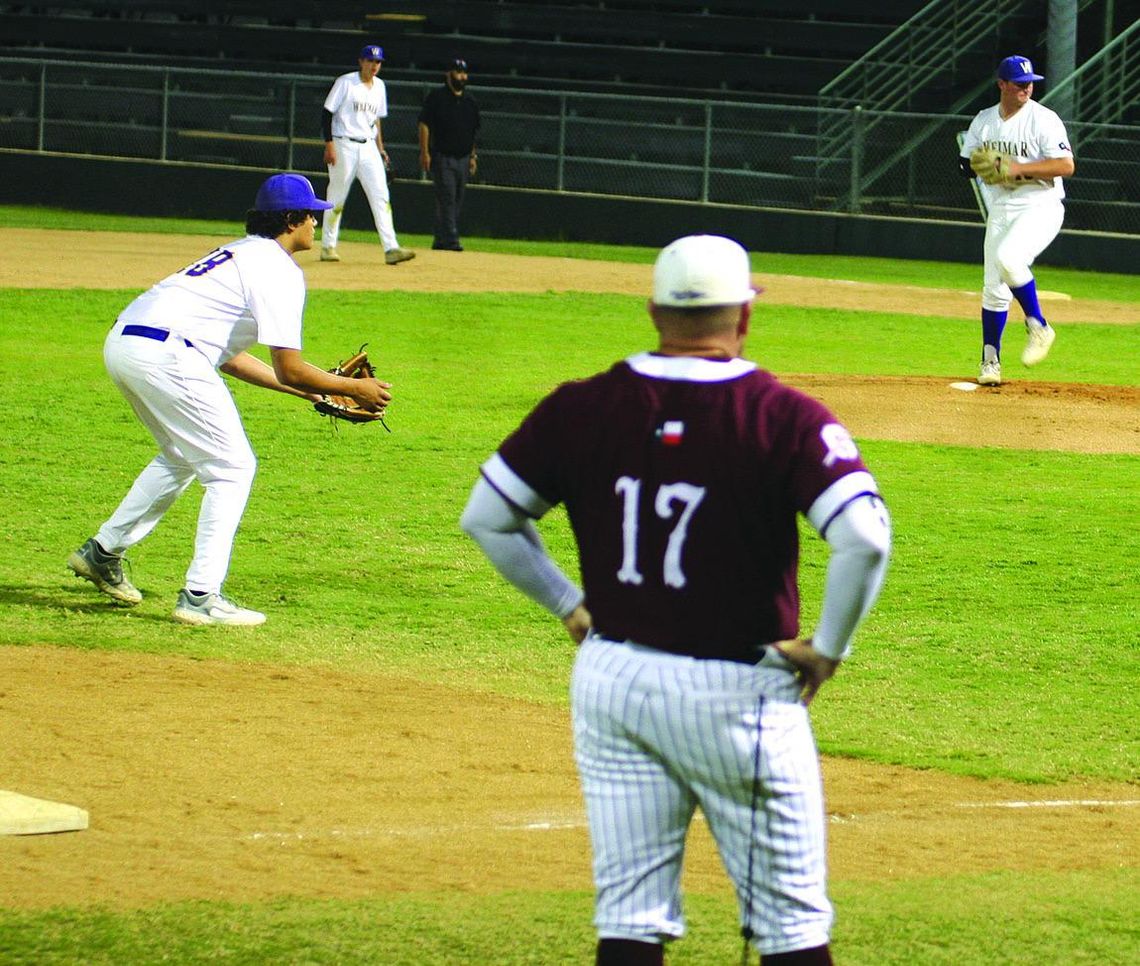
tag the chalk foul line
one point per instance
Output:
(1057, 803)
(554, 826)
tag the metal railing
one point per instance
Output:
(701, 151)
(1106, 86)
(919, 178)
(889, 78)
(915, 55)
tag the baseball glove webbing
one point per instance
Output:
(345, 407)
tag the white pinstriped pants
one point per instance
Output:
(655, 736)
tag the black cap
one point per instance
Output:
(457, 63)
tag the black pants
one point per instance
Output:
(449, 175)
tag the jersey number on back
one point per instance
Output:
(674, 501)
(219, 256)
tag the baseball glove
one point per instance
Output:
(991, 166)
(345, 407)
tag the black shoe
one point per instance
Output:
(446, 246)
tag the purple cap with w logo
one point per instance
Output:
(1018, 70)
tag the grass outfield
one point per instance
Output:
(1082, 918)
(1005, 643)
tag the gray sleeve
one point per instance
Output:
(860, 541)
(512, 544)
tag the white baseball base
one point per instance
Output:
(23, 815)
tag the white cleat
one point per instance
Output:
(990, 374)
(1041, 336)
(214, 609)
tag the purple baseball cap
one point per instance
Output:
(1017, 69)
(288, 192)
(372, 52)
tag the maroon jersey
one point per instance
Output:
(682, 478)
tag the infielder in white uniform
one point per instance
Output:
(163, 354)
(354, 149)
(1023, 217)
(690, 687)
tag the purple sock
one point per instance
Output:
(1026, 296)
(992, 325)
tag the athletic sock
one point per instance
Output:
(1026, 296)
(993, 323)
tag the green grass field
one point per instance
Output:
(1005, 644)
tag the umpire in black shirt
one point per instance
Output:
(448, 124)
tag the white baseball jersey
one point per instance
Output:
(1034, 133)
(249, 290)
(356, 106)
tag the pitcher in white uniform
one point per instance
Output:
(1025, 215)
(354, 149)
(163, 354)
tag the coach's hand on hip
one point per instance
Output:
(814, 668)
(577, 623)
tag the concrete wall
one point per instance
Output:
(156, 189)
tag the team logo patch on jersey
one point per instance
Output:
(671, 432)
(840, 445)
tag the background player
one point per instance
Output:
(690, 684)
(1023, 217)
(163, 354)
(354, 149)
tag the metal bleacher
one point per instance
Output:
(732, 48)
(763, 46)
(729, 101)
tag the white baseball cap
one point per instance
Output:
(701, 270)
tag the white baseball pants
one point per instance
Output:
(657, 735)
(1015, 236)
(362, 162)
(179, 396)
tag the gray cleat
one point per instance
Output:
(105, 571)
(393, 256)
(214, 609)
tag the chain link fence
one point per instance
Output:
(751, 155)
